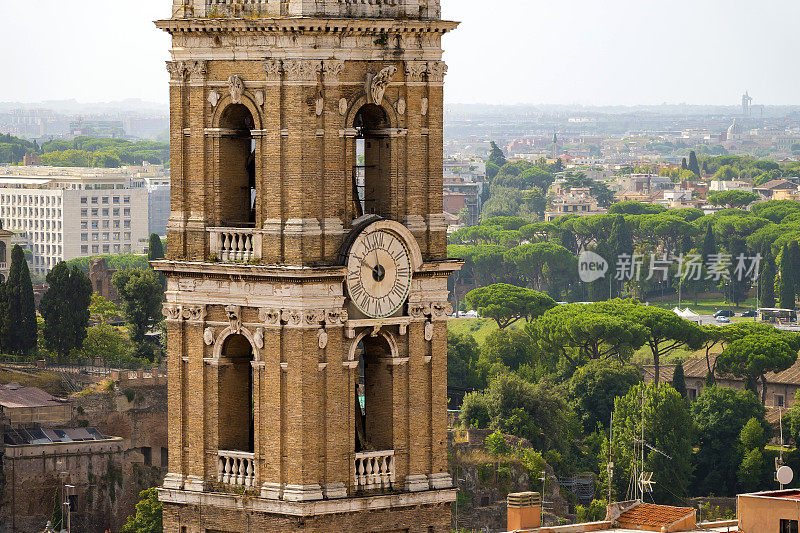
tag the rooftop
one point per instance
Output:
(14, 395)
(651, 515)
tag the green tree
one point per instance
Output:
(56, 516)
(709, 247)
(107, 343)
(733, 198)
(577, 333)
(750, 470)
(738, 282)
(667, 427)
(19, 330)
(462, 360)
(506, 304)
(719, 415)
(155, 249)
(496, 158)
(496, 445)
(65, 309)
(679, 380)
(506, 349)
(754, 355)
(620, 243)
(595, 385)
(141, 294)
(148, 515)
(693, 163)
(666, 332)
(786, 283)
(767, 280)
(102, 309)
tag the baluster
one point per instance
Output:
(362, 472)
(220, 467)
(239, 471)
(249, 246)
(384, 472)
(225, 255)
(251, 473)
(239, 247)
(227, 477)
(391, 469)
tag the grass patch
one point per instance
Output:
(479, 328)
(45, 380)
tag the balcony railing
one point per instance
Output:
(374, 470)
(236, 468)
(235, 244)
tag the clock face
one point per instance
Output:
(378, 273)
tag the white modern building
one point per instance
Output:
(63, 213)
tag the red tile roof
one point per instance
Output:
(697, 367)
(648, 514)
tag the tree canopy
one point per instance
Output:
(506, 304)
(65, 309)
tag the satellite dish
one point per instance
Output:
(785, 475)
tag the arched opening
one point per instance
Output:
(374, 396)
(2, 252)
(237, 168)
(372, 167)
(236, 420)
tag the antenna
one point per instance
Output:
(783, 474)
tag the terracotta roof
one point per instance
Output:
(771, 184)
(648, 514)
(14, 395)
(696, 367)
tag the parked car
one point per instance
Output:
(723, 320)
(724, 312)
(751, 314)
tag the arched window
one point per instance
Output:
(374, 396)
(2, 252)
(237, 168)
(372, 168)
(235, 395)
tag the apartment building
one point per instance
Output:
(63, 213)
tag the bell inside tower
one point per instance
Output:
(372, 168)
(237, 168)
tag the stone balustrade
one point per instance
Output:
(235, 244)
(236, 468)
(374, 470)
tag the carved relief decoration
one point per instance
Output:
(258, 338)
(177, 70)
(197, 70)
(379, 84)
(213, 98)
(171, 311)
(333, 68)
(320, 103)
(431, 310)
(416, 69)
(208, 336)
(301, 69)
(259, 98)
(194, 313)
(322, 337)
(272, 66)
(236, 86)
(234, 313)
(424, 106)
(400, 106)
(308, 317)
(436, 70)
(428, 331)
(343, 106)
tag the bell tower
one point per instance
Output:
(306, 267)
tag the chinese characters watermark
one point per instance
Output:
(688, 267)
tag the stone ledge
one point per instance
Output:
(315, 508)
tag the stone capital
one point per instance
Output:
(301, 70)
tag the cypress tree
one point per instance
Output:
(679, 380)
(619, 242)
(65, 309)
(684, 166)
(767, 280)
(794, 257)
(709, 244)
(19, 331)
(155, 250)
(694, 166)
(787, 283)
(3, 314)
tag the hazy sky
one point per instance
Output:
(506, 51)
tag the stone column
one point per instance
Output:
(177, 222)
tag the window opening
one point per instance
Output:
(237, 167)
(374, 396)
(235, 393)
(371, 175)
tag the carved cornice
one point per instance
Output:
(191, 313)
(430, 310)
(272, 67)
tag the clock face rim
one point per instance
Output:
(351, 259)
